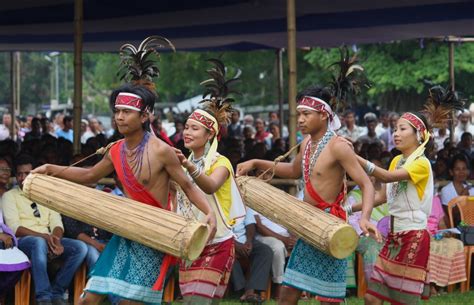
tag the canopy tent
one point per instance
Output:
(34, 25)
(104, 25)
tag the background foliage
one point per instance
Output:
(396, 71)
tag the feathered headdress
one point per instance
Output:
(440, 104)
(138, 65)
(437, 111)
(349, 80)
(217, 89)
(217, 105)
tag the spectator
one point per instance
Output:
(110, 132)
(95, 126)
(384, 123)
(371, 137)
(86, 133)
(46, 127)
(280, 241)
(465, 144)
(177, 137)
(35, 132)
(459, 171)
(5, 127)
(447, 263)
(248, 120)
(464, 125)
(12, 260)
(5, 173)
(275, 132)
(235, 129)
(262, 136)
(387, 136)
(255, 254)
(274, 117)
(350, 130)
(278, 149)
(66, 132)
(40, 236)
(160, 132)
(441, 169)
(58, 121)
(249, 138)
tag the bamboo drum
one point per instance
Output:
(323, 231)
(153, 227)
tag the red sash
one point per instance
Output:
(138, 192)
(335, 208)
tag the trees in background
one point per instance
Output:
(396, 70)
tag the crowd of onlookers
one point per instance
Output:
(43, 234)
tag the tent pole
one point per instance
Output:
(291, 24)
(451, 84)
(15, 90)
(279, 58)
(77, 108)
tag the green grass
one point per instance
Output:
(454, 298)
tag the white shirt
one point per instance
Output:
(4, 132)
(448, 192)
(410, 211)
(439, 140)
(272, 226)
(460, 129)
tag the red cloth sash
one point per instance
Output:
(138, 192)
(335, 208)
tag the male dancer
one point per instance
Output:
(323, 161)
(145, 165)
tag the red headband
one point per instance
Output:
(313, 103)
(204, 120)
(129, 101)
(415, 121)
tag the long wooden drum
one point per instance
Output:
(322, 230)
(153, 227)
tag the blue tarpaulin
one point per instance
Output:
(28, 25)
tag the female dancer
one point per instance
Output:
(206, 279)
(399, 275)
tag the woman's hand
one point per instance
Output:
(182, 159)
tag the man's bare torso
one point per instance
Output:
(153, 175)
(327, 175)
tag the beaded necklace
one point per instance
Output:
(310, 158)
(397, 187)
(185, 207)
(134, 157)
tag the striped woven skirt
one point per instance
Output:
(400, 272)
(209, 274)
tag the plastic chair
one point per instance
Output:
(465, 205)
(361, 280)
(23, 287)
(79, 282)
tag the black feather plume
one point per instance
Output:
(217, 90)
(138, 63)
(440, 105)
(349, 79)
